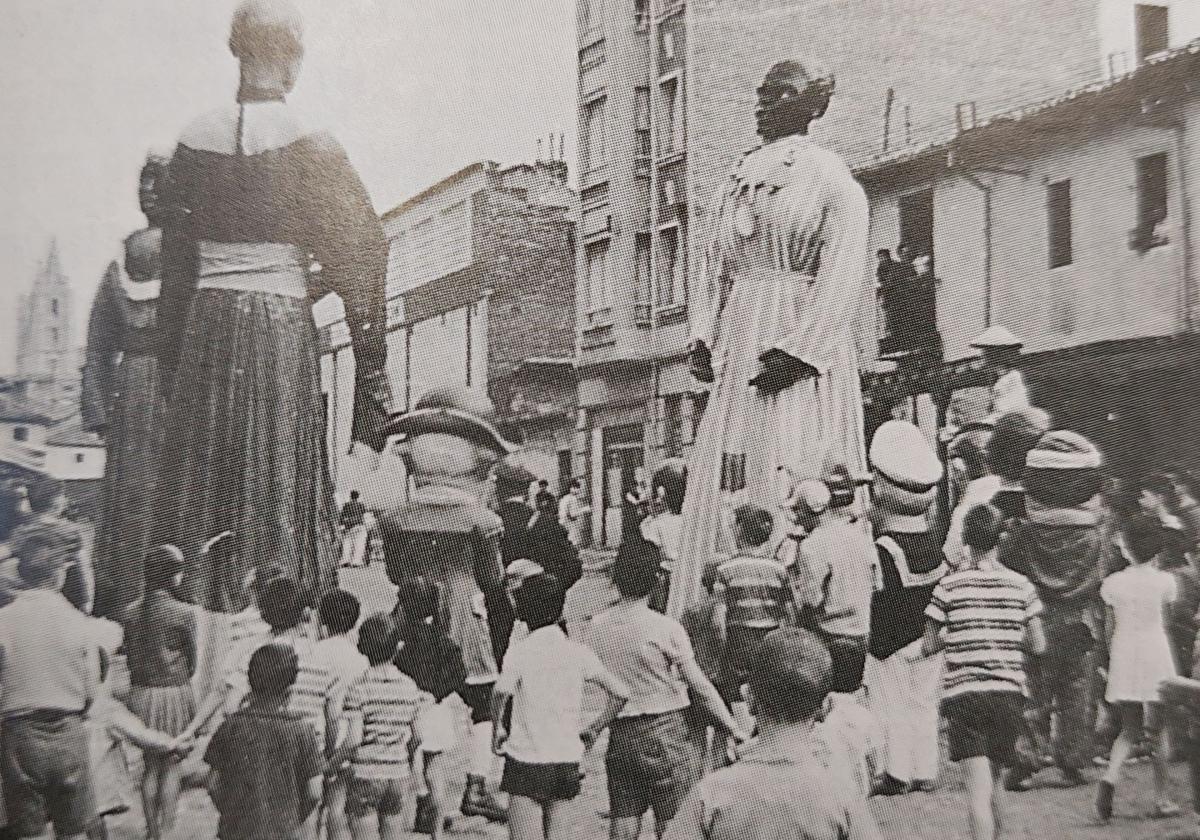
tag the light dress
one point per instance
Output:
(1141, 652)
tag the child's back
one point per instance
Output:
(387, 702)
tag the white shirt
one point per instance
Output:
(545, 674)
(343, 660)
(1009, 393)
(664, 531)
(979, 492)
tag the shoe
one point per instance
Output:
(1019, 780)
(1104, 800)
(1073, 777)
(923, 786)
(1165, 810)
(477, 802)
(891, 786)
(424, 821)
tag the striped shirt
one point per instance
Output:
(984, 613)
(756, 591)
(315, 682)
(384, 702)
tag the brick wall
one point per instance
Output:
(530, 257)
(934, 53)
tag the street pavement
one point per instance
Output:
(1046, 812)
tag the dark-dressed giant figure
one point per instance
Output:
(269, 216)
(120, 399)
(785, 274)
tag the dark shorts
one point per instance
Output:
(47, 775)
(849, 655)
(740, 647)
(383, 796)
(648, 766)
(542, 783)
(478, 698)
(985, 724)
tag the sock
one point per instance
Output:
(481, 749)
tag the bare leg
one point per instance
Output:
(168, 793)
(435, 780)
(150, 786)
(625, 828)
(335, 811)
(525, 819)
(1156, 736)
(998, 800)
(391, 827)
(1131, 728)
(980, 803)
(554, 821)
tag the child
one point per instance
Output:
(785, 783)
(432, 660)
(516, 574)
(985, 616)
(1137, 612)
(698, 621)
(544, 676)
(339, 612)
(650, 652)
(265, 764)
(756, 598)
(382, 706)
(110, 723)
(160, 646)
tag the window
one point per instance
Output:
(671, 125)
(641, 97)
(1058, 221)
(591, 15)
(916, 223)
(641, 268)
(78, 457)
(673, 426)
(1151, 200)
(20, 434)
(597, 276)
(641, 15)
(672, 274)
(1152, 30)
(595, 130)
(54, 306)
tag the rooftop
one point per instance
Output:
(73, 434)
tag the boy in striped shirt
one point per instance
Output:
(986, 618)
(753, 598)
(381, 707)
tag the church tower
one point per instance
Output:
(47, 358)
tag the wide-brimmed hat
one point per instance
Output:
(1063, 469)
(453, 410)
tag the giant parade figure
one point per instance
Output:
(268, 215)
(120, 399)
(784, 275)
(446, 534)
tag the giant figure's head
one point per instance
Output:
(906, 472)
(267, 38)
(791, 96)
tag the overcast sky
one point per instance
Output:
(414, 89)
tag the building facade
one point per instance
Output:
(666, 106)
(481, 292)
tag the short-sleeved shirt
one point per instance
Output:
(49, 658)
(342, 658)
(664, 530)
(984, 613)
(756, 591)
(265, 760)
(315, 682)
(387, 703)
(777, 791)
(545, 674)
(645, 650)
(835, 576)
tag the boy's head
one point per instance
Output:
(282, 604)
(45, 551)
(378, 638)
(273, 670)
(791, 675)
(354, 495)
(418, 599)
(339, 611)
(982, 527)
(1143, 538)
(753, 526)
(48, 495)
(636, 570)
(539, 601)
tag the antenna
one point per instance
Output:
(539, 150)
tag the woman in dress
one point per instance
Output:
(161, 647)
(120, 399)
(258, 201)
(785, 275)
(1137, 605)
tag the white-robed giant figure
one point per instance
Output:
(785, 273)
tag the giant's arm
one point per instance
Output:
(826, 324)
(103, 343)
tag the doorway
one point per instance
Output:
(624, 455)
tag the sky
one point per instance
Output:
(414, 89)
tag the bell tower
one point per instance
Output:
(47, 358)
